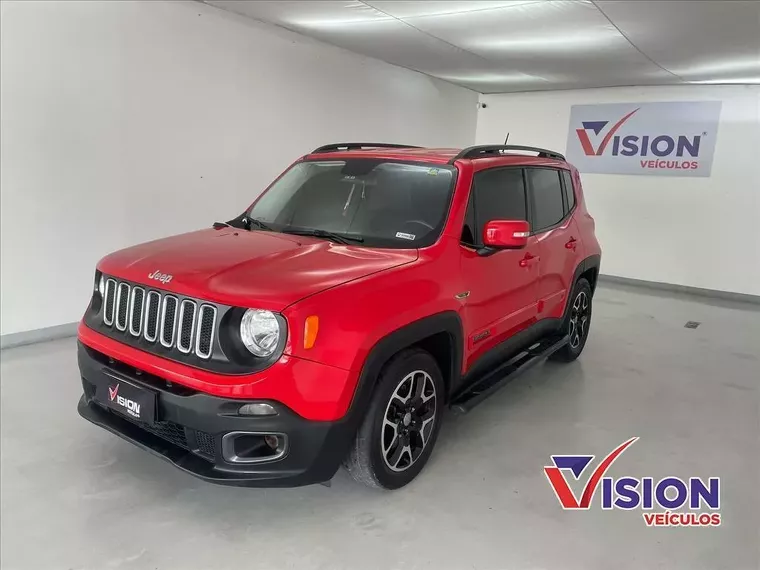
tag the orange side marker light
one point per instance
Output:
(310, 330)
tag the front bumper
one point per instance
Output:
(190, 426)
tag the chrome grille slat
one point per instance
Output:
(182, 323)
(186, 326)
(136, 302)
(109, 302)
(168, 325)
(204, 335)
(122, 304)
(152, 314)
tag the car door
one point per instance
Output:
(557, 238)
(500, 285)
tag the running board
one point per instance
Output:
(501, 376)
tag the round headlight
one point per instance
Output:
(102, 285)
(260, 332)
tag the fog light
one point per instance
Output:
(257, 409)
(250, 447)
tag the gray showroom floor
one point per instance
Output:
(74, 496)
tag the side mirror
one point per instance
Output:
(506, 234)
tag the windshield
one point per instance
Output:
(385, 204)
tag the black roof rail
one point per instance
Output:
(353, 146)
(488, 150)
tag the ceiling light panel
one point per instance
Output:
(410, 9)
(525, 45)
(320, 14)
(395, 42)
(498, 82)
(733, 81)
(722, 69)
(541, 26)
(570, 41)
(696, 40)
(364, 31)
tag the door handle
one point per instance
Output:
(571, 244)
(525, 261)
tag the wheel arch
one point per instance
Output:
(587, 269)
(441, 335)
(446, 324)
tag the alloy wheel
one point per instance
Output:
(579, 319)
(408, 421)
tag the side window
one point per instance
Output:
(569, 192)
(497, 194)
(548, 205)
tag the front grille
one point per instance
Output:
(136, 311)
(171, 432)
(168, 320)
(186, 325)
(161, 318)
(205, 335)
(152, 309)
(205, 443)
(110, 297)
(122, 303)
(177, 434)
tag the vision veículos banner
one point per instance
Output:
(655, 139)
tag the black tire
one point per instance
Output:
(368, 461)
(577, 322)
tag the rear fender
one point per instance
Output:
(590, 262)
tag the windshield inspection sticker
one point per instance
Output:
(433, 172)
(402, 235)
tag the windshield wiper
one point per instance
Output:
(338, 238)
(248, 222)
(243, 222)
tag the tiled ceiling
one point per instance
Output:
(528, 45)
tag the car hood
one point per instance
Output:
(268, 270)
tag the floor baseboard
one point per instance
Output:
(671, 288)
(38, 335)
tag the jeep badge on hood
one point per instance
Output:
(158, 276)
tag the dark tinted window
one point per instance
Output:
(548, 207)
(498, 195)
(469, 231)
(569, 192)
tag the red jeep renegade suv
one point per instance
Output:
(368, 288)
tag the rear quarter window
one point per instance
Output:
(569, 190)
(547, 198)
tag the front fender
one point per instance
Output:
(354, 317)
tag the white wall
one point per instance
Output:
(128, 121)
(700, 232)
